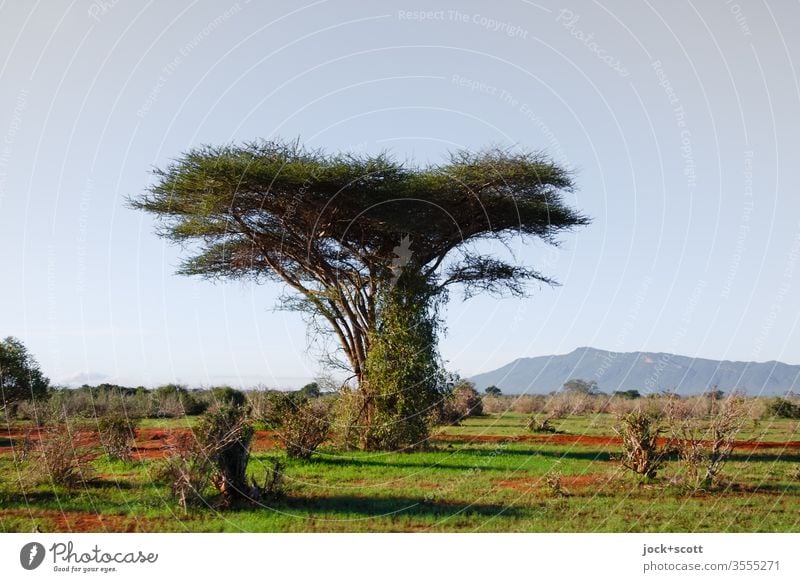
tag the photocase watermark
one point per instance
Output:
(402, 257)
(473, 18)
(739, 17)
(169, 69)
(99, 8)
(687, 153)
(31, 555)
(67, 558)
(569, 20)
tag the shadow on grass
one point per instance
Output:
(394, 506)
(766, 457)
(395, 464)
(578, 455)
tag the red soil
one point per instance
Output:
(51, 521)
(151, 443)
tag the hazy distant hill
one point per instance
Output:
(643, 371)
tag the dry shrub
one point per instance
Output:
(218, 455)
(496, 404)
(528, 404)
(558, 407)
(117, 435)
(303, 425)
(640, 451)
(540, 425)
(462, 402)
(466, 400)
(60, 459)
(187, 471)
(554, 485)
(348, 424)
(704, 446)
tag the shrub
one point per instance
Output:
(782, 408)
(187, 471)
(227, 396)
(493, 391)
(558, 407)
(528, 404)
(301, 424)
(703, 448)
(554, 485)
(61, 458)
(224, 434)
(348, 411)
(535, 424)
(117, 435)
(174, 400)
(466, 399)
(496, 404)
(640, 453)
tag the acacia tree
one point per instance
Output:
(360, 236)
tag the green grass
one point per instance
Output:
(461, 485)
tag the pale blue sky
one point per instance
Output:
(680, 119)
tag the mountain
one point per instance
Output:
(644, 371)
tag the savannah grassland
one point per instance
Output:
(487, 475)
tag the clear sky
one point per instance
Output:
(679, 118)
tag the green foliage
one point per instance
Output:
(173, 400)
(227, 396)
(310, 390)
(224, 433)
(578, 386)
(20, 376)
(783, 408)
(493, 391)
(301, 424)
(404, 379)
(329, 226)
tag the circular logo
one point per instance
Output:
(31, 555)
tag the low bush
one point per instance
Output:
(704, 446)
(782, 408)
(528, 404)
(117, 435)
(301, 424)
(466, 400)
(640, 450)
(540, 425)
(60, 458)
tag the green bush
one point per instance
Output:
(224, 434)
(302, 424)
(783, 408)
(227, 396)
